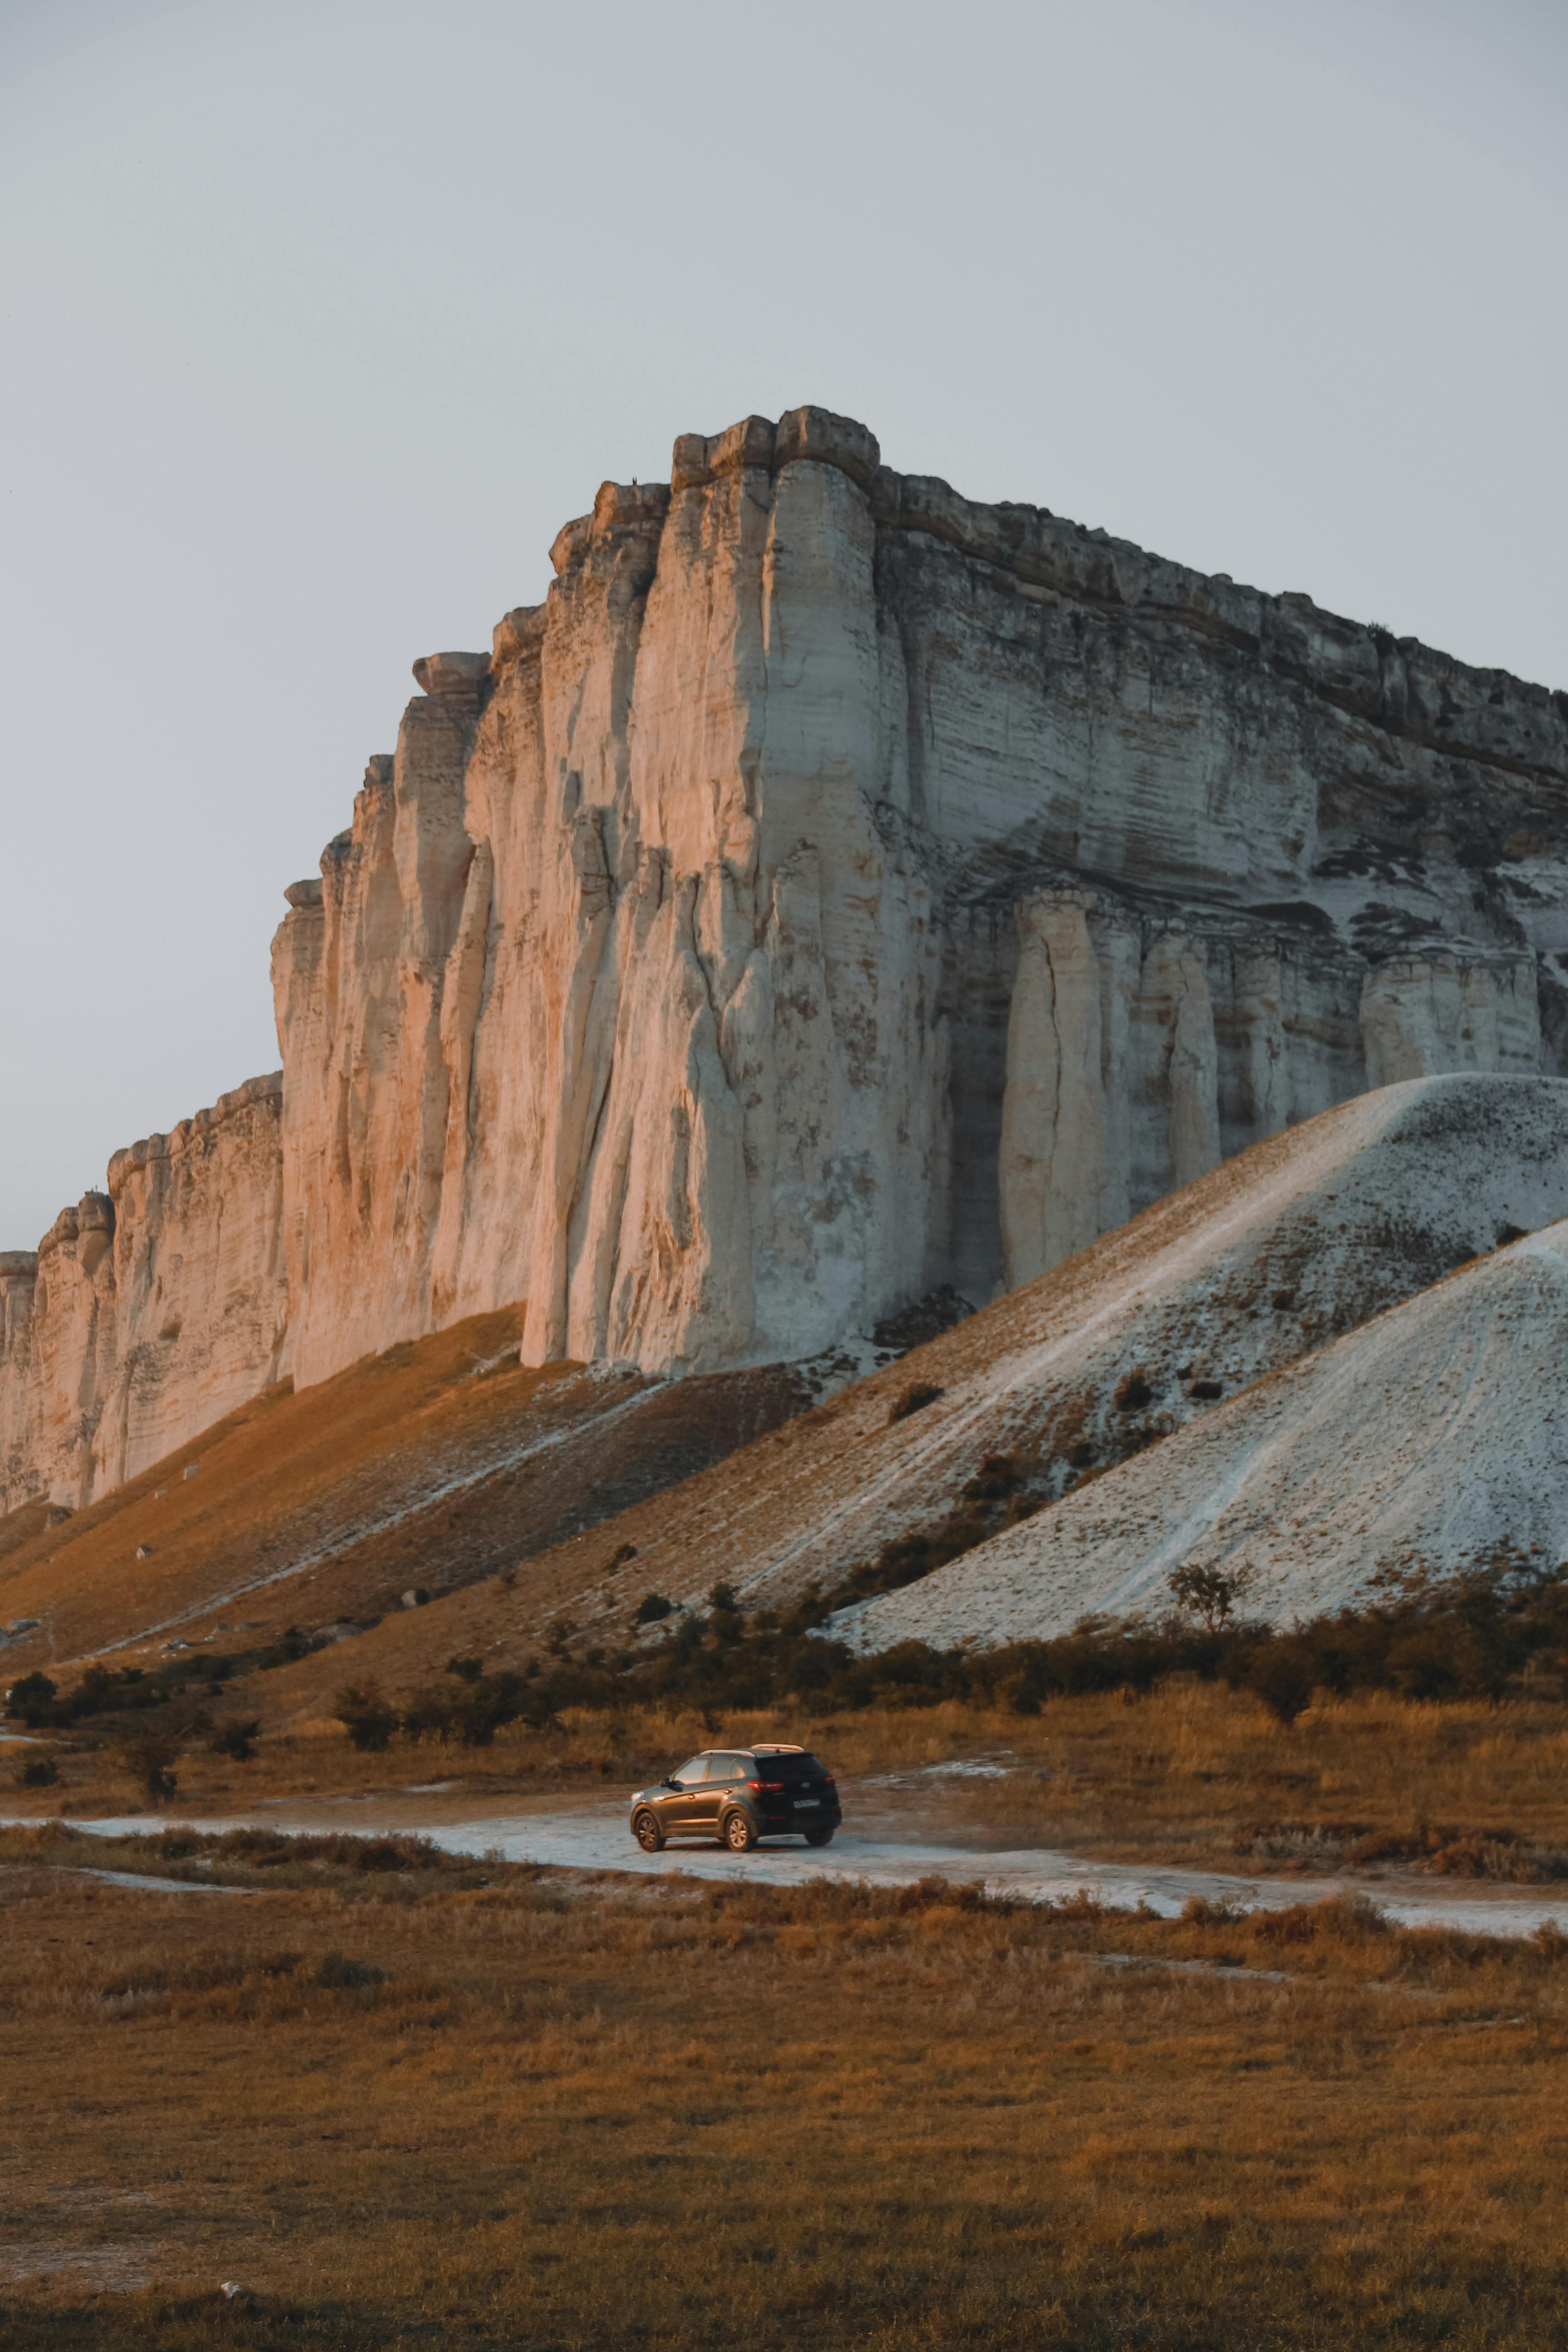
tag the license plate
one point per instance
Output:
(806, 1804)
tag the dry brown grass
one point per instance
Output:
(441, 1461)
(412, 2108)
(1197, 1775)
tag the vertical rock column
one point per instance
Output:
(1422, 1015)
(19, 1477)
(358, 970)
(1112, 1078)
(1056, 1153)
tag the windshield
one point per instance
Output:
(789, 1767)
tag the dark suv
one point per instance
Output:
(739, 1795)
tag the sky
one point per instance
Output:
(319, 317)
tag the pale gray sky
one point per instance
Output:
(320, 315)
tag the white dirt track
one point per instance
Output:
(597, 1838)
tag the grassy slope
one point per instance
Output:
(436, 1463)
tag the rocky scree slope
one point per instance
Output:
(832, 892)
(1430, 1442)
(1119, 1356)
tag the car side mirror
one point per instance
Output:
(667, 1783)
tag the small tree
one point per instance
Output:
(366, 1715)
(149, 1755)
(32, 1699)
(1209, 1594)
(652, 1608)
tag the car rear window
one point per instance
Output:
(789, 1767)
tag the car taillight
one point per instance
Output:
(829, 1782)
(771, 1786)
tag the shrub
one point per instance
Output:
(362, 1710)
(1281, 1676)
(32, 1698)
(496, 1700)
(39, 1773)
(652, 1608)
(430, 1714)
(237, 1738)
(343, 1974)
(997, 1478)
(467, 1670)
(149, 1755)
(914, 1400)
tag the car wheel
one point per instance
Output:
(648, 1834)
(819, 1837)
(738, 1833)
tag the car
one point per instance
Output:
(739, 1795)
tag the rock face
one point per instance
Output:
(835, 891)
(149, 1310)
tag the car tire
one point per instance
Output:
(819, 1837)
(737, 1834)
(649, 1835)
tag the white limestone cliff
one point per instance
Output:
(832, 891)
(148, 1310)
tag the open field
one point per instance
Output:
(1193, 1775)
(454, 2103)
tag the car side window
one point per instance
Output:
(692, 1775)
(726, 1768)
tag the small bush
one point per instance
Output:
(237, 1738)
(430, 1714)
(343, 1974)
(39, 1773)
(1282, 1678)
(914, 1400)
(652, 1608)
(32, 1698)
(467, 1670)
(149, 1756)
(365, 1714)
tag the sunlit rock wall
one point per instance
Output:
(836, 890)
(148, 1310)
(832, 891)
